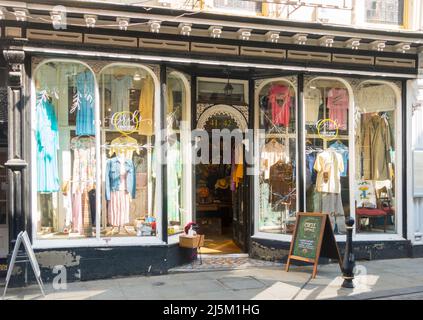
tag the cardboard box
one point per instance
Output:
(186, 241)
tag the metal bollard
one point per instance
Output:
(349, 262)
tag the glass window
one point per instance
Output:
(375, 148)
(385, 11)
(326, 110)
(178, 211)
(221, 91)
(127, 140)
(65, 150)
(277, 154)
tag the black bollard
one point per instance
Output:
(349, 262)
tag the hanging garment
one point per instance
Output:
(343, 150)
(329, 165)
(84, 101)
(146, 108)
(113, 176)
(124, 146)
(312, 102)
(280, 103)
(174, 173)
(139, 206)
(376, 146)
(92, 201)
(120, 198)
(120, 93)
(331, 203)
(83, 180)
(337, 104)
(311, 174)
(271, 153)
(47, 137)
(281, 182)
(237, 165)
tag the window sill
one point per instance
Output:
(94, 242)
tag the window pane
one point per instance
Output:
(375, 158)
(177, 208)
(277, 174)
(385, 11)
(128, 202)
(65, 150)
(326, 109)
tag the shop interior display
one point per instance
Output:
(277, 177)
(375, 166)
(67, 158)
(327, 105)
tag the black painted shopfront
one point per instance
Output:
(311, 110)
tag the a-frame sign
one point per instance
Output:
(313, 238)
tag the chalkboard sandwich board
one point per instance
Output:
(313, 238)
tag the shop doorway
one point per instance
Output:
(221, 209)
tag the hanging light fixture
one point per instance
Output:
(228, 87)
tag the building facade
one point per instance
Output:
(106, 107)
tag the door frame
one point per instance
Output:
(242, 122)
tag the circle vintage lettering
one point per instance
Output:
(327, 129)
(126, 122)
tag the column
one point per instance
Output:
(16, 163)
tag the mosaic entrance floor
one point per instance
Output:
(224, 262)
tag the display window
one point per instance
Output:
(327, 104)
(277, 147)
(65, 136)
(95, 178)
(127, 148)
(177, 161)
(376, 148)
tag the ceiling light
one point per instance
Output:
(244, 34)
(403, 47)
(215, 31)
(155, 26)
(326, 41)
(137, 77)
(123, 23)
(185, 29)
(21, 14)
(90, 20)
(272, 36)
(300, 38)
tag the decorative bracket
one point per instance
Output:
(15, 59)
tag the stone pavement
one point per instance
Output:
(381, 279)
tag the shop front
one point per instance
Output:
(120, 139)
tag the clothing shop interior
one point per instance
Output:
(68, 170)
(219, 182)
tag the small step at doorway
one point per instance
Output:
(224, 262)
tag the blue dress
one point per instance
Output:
(47, 137)
(85, 104)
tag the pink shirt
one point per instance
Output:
(338, 103)
(280, 102)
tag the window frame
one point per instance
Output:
(256, 181)
(378, 25)
(186, 152)
(98, 240)
(399, 130)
